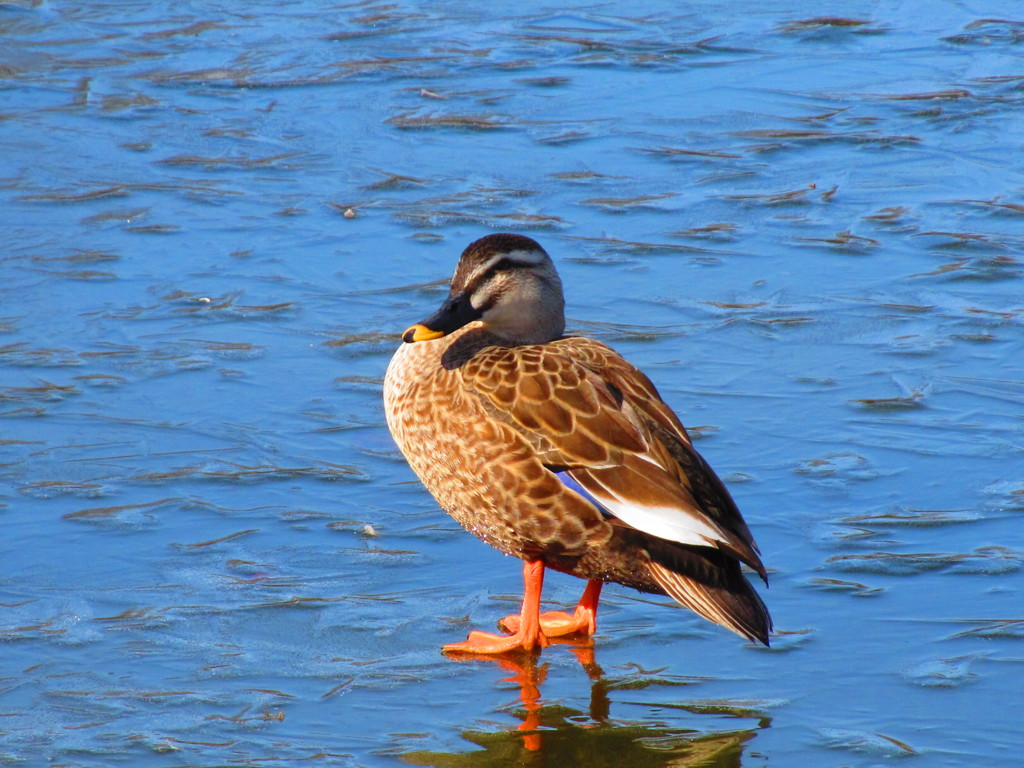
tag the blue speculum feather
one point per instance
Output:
(570, 483)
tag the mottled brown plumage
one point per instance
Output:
(556, 450)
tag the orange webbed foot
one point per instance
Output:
(557, 623)
(582, 621)
(486, 643)
(531, 629)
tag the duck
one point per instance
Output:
(554, 449)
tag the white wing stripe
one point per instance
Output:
(671, 523)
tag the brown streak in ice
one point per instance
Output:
(222, 539)
(100, 512)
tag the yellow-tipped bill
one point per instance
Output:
(456, 310)
(420, 332)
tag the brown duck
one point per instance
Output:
(556, 450)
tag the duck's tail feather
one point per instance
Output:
(712, 585)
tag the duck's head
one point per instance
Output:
(509, 284)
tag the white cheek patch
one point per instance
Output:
(513, 310)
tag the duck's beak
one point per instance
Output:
(455, 312)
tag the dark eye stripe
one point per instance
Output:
(504, 264)
(501, 265)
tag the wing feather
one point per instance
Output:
(587, 410)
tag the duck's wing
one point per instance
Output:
(598, 420)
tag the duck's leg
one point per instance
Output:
(528, 633)
(582, 621)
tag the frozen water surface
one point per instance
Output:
(218, 217)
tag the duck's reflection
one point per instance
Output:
(530, 676)
(557, 735)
